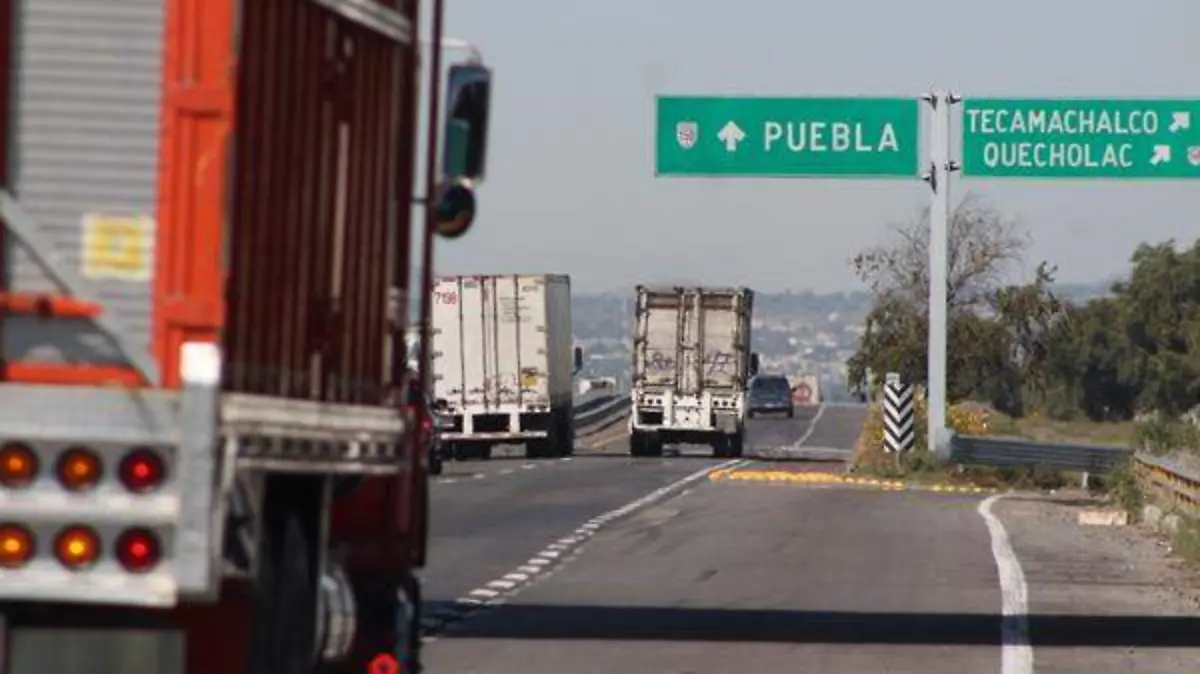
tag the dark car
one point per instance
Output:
(771, 393)
(426, 413)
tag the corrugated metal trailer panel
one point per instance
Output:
(271, 222)
(316, 176)
(693, 339)
(82, 159)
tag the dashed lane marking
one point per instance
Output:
(554, 556)
(528, 465)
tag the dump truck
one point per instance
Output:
(207, 463)
(504, 364)
(691, 368)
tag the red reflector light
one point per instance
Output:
(138, 550)
(142, 470)
(384, 663)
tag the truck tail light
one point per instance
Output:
(78, 469)
(18, 465)
(425, 421)
(77, 547)
(16, 546)
(142, 470)
(138, 550)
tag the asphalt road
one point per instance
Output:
(607, 564)
(491, 517)
(759, 578)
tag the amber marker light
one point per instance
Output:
(16, 546)
(77, 547)
(18, 465)
(78, 469)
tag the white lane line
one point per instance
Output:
(812, 427)
(1016, 651)
(567, 548)
(506, 471)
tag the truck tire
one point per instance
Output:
(388, 622)
(720, 446)
(283, 636)
(737, 443)
(567, 436)
(642, 444)
(639, 444)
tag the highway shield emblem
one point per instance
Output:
(686, 133)
(1194, 155)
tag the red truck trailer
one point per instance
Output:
(206, 464)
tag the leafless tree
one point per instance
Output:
(984, 246)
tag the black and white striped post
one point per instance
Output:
(899, 417)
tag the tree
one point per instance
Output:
(984, 247)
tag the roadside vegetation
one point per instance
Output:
(1121, 369)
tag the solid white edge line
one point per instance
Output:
(1016, 651)
(812, 427)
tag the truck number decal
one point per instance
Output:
(448, 297)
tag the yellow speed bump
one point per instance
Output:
(801, 477)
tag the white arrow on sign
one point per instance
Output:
(731, 134)
(1162, 155)
(1180, 121)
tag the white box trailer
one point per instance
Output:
(691, 368)
(503, 362)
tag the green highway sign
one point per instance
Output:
(787, 137)
(1081, 138)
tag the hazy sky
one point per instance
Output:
(571, 184)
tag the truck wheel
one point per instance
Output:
(567, 436)
(655, 445)
(737, 445)
(389, 623)
(639, 444)
(721, 447)
(283, 637)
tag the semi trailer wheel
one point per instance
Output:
(283, 636)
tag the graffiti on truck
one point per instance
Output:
(657, 361)
(714, 362)
(718, 362)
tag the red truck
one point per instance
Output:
(206, 461)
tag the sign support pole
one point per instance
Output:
(938, 177)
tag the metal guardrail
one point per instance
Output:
(1165, 480)
(1016, 452)
(601, 411)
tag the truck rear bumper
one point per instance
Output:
(493, 437)
(496, 425)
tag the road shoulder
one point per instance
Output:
(1101, 598)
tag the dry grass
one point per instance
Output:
(1042, 429)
